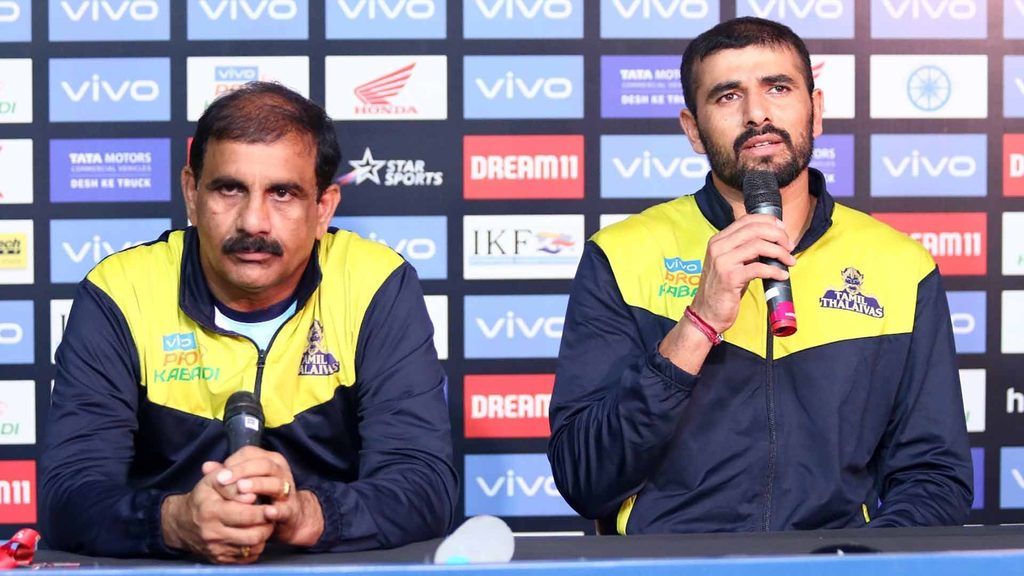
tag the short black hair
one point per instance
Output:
(735, 34)
(264, 112)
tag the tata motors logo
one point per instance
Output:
(512, 485)
(929, 86)
(387, 87)
(528, 326)
(1011, 477)
(110, 89)
(957, 240)
(967, 317)
(650, 166)
(110, 170)
(929, 165)
(507, 405)
(522, 18)
(422, 240)
(386, 19)
(657, 18)
(527, 246)
(1013, 164)
(834, 75)
(98, 20)
(640, 87)
(78, 245)
(1012, 336)
(248, 19)
(15, 179)
(523, 167)
(833, 156)
(211, 77)
(523, 86)
(392, 172)
(972, 386)
(18, 491)
(15, 20)
(808, 18)
(1013, 86)
(17, 412)
(15, 90)
(1013, 243)
(16, 252)
(941, 19)
(17, 341)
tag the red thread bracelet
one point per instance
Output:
(706, 329)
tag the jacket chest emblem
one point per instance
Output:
(681, 278)
(315, 360)
(850, 297)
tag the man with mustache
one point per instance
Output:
(328, 330)
(675, 409)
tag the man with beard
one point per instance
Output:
(328, 330)
(675, 409)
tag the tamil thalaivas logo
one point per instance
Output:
(850, 297)
(317, 362)
(681, 279)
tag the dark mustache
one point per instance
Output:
(247, 243)
(754, 132)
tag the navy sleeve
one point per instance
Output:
(616, 401)
(407, 485)
(925, 463)
(87, 505)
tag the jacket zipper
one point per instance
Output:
(772, 442)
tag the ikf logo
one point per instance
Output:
(59, 312)
(522, 18)
(387, 87)
(16, 252)
(808, 18)
(104, 20)
(972, 387)
(528, 246)
(523, 86)
(957, 240)
(1011, 477)
(386, 19)
(978, 461)
(17, 412)
(17, 341)
(1013, 164)
(928, 165)
(657, 18)
(528, 326)
(422, 240)
(17, 491)
(248, 19)
(1013, 86)
(110, 89)
(833, 156)
(210, 77)
(834, 75)
(120, 170)
(1013, 328)
(1013, 243)
(15, 21)
(512, 485)
(640, 87)
(967, 316)
(15, 180)
(650, 166)
(15, 90)
(1013, 19)
(522, 167)
(78, 245)
(929, 86)
(437, 309)
(942, 19)
(507, 405)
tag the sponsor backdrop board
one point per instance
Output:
(485, 141)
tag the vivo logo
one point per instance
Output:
(250, 9)
(97, 248)
(411, 248)
(950, 243)
(512, 326)
(16, 492)
(11, 333)
(661, 8)
(96, 88)
(97, 10)
(512, 484)
(649, 165)
(933, 9)
(512, 86)
(9, 12)
(963, 323)
(917, 165)
(529, 9)
(179, 341)
(236, 73)
(780, 9)
(372, 9)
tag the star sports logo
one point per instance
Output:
(398, 172)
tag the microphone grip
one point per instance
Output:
(243, 430)
(777, 293)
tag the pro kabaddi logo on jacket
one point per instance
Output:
(682, 278)
(183, 360)
(317, 362)
(850, 297)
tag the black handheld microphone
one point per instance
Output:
(761, 196)
(243, 420)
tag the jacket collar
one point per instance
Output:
(195, 298)
(718, 212)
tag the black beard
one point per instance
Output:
(725, 164)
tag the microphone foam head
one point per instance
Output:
(760, 187)
(241, 402)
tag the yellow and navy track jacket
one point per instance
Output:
(857, 418)
(351, 387)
